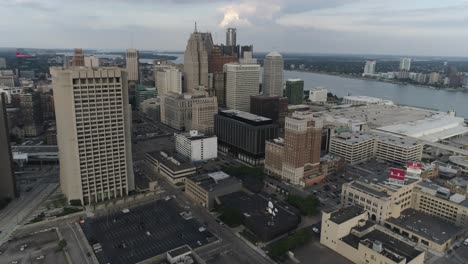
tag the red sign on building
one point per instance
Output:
(397, 174)
(414, 165)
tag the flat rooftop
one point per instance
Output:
(353, 138)
(179, 251)
(397, 141)
(245, 115)
(172, 160)
(209, 183)
(368, 99)
(347, 213)
(390, 245)
(426, 226)
(362, 187)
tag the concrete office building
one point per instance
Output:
(273, 77)
(177, 111)
(295, 91)
(243, 134)
(349, 232)
(242, 82)
(78, 58)
(171, 165)
(318, 95)
(143, 93)
(354, 147)
(33, 117)
(196, 58)
(405, 64)
(397, 150)
(91, 61)
(132, 64)
(7, 175)
(196, 146)
(273, 107)
(205, 188)
(216, 67)
(168, 79)
(369, 68)
(93, 133)
(299, 152)
(151, 108)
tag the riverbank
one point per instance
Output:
(396, 82)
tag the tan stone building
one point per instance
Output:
(93, 133)
(196, 59)
(242, 81)
(353, 147)
(78, 58)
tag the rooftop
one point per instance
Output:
(353, 138)
(368, 99)
(429, 227)
(172, 160)
(347, 213)
(179, 251)
(374, 192)
(245, 115)
(212, 181)
(295, 80)
(396, 141)
(195, 135)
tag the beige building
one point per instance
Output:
(242, 82)
(204, 189)
(133, 68)
(273, 77)
(177, 111)
(93, 133)
(168, 79)
(296, 159)
(349, 232)
(353, 147)
(174, 167)
(397, 150)
(196, 57)
(78, 58)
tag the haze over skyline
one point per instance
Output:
(419, 27)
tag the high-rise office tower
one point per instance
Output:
(273, 78)
(7, 175)
(295, 91)
(78, 58)
(33, 116)
(299, 152)
(405, 64)
(369, 68)
(216, 65)
(133, 69)
(242, 82)
(93, 133)
(231, 37)
(168, 79)
(196, 58)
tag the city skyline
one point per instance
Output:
(376, 27)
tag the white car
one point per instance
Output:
(315, 229)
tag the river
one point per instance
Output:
(411, 95)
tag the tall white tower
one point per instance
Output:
(132, 65)
(273, 77)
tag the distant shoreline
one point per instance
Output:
(463, 90)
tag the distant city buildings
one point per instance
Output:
(405, 64)
(94, 138)
(7, 175)
(3, 63)
(196, 58)
(143, 93)
(196, 146)
(295, 91)
(132, 64)
(318, 95)
(244, 135)
(242, 82)
(369, 68)
(168, 79)
(78, 58)
(273, 77)
(31, 110)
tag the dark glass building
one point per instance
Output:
(273, 107)
(243, 134)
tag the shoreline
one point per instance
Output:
(463, 90)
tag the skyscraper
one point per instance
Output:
(231, 37)
(369, 68)
(216, 65)
(299, 152)
(196, 57)
(93, 133)
(273, 78)
(133, 69)
(168, 79)
(242, 82)
(78, 58)
(405, 64)
(7, 175)
(295, 91)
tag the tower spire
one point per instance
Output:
(196, 30)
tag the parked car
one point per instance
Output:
(315, 229)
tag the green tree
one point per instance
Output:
(308, 205)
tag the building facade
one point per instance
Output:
(397, 150)
(273, 77)
(196, 146)
(242, 82)
(168, 79)
(369, 69)
(318, 95)
(7, 175)
(91, 61)
(151, 108)
(196, 58)
(174, 167)
(78, 58)
(143, 93)
(295, 91)
(353, 147)
(203, 112)
(405, 64)
(93, 133)
(33, 117)
(132, 64)
(243, 134)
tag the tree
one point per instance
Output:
(75, 202)
(62, 244)
(308, 205)
(231, 216)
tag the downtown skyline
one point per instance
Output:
(330, 27)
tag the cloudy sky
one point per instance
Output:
(403, 27)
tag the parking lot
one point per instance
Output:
(143, 232)
(37, 248)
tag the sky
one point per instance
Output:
(399, 27)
